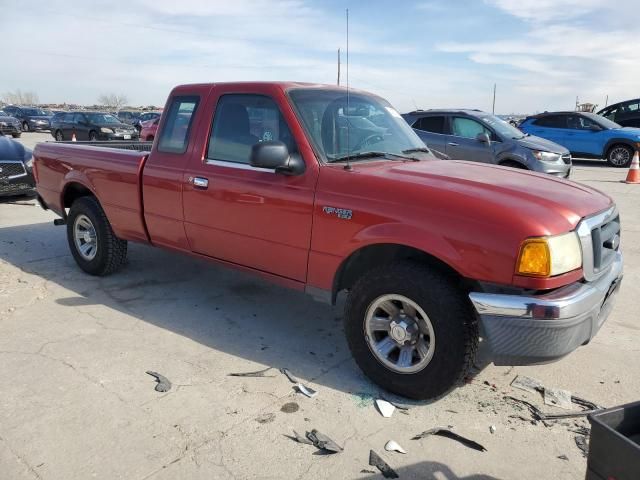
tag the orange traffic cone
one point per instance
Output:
(634, 170)
(73, 137)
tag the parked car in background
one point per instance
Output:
(16, 165)
(128, 116)
(31, 118)
(482, 137)
(149, 129)
(145, 117)
(625, 113)
(586, 135)
(91, 126)
(9, 125)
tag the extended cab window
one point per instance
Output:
(433, 124)
(240, 121)
(175, 133)
(552, 121)
(467, 128)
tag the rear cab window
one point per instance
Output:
(174, 137)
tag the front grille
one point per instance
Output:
(566, 158)
(10, 169)
(600, 240)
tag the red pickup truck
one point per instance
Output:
(326, 190)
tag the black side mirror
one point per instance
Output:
(275, 155)
(483, 138)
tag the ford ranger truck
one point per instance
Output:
(328, 191)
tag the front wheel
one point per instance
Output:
(25, 127)
(16, 135)
(411, 330)
(93, 136)
(620, 156)
(59, 136)
(94, 246)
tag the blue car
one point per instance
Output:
(586, 135)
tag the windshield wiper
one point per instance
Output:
(417, 150)
(373, 154)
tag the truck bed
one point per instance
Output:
(111, 170)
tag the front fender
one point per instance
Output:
(617, 140)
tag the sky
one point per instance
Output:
(541, 54)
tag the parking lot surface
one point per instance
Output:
(76, 402)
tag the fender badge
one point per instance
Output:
(343, 213)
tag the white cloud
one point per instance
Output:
(546, 10)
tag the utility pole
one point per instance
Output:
(606, 102)
(338, 67)
(493, 109)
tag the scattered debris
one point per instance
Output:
(527, 384)
(556, 397)
(385, 408)
(364, 470)
(308, 391)
(376, 461)
(323, 442)
(289, 375)
(581, 431)
(581, 443)
(290, 407)
(259, 373)
(445, 432)
(163, 385)
(393, 446)
(544, 417)
(364, 399)
(398, 405)
(266, 418)
(299, 438)
(492, 429)
(563, 457)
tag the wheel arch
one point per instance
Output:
(506, 161)
(619, 141)
(72, 191)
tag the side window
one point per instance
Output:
(578, 122)
(552, 121)
(610, 113)
(242, 120)
(78, 118)
(67, 118)
(433, 124)
(174, 137)
(467, 128)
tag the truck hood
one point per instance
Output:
(542, 144)
(552, 204)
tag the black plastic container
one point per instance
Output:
(614, 447)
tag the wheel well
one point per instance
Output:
(617, 144)
(508, 162)
(366, 258)
(72, 192)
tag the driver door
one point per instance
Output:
(462, 144)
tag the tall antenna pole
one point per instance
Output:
(606, 101)
(493, 109)
(338, 67)
(348, 165)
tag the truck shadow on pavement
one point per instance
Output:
(427, 471)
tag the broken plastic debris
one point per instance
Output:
(398, 405)
(537, 414)
(376, 461)
(289, 375)
(393, 446)
(259, 373)
(300, 439)
(445, 432)
(323, 442)
(308, 391)
(385, 408)
(563, 457)
(492, 429)
(163, 385)
(527, 384)
(581, 443)
(556, 397)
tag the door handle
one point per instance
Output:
(452, 144)
(199, 182)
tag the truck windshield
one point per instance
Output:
(340, 128)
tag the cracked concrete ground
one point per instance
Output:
(76, 403)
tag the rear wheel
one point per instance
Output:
(25, 127)
(411, 330)
(620, 156)
(93, 136)
(94, 246)
(59, 136)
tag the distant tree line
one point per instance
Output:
(18, 97)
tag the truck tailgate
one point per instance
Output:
(113, 175)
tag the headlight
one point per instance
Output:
(106, 130)
(546, 156)
(549, 256)
(29, 163)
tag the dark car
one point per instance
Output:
(145, 117)
(482, 137)
(31, 118)
(91, 126)
(625, 113)
(128, 116)
(9, 125)
(16, 164)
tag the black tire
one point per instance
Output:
(16, 135)
(620, 156)
(111, 252)
(454, 325)
(150, 138)
(513, 164)
(25, 127)
(93, 136)
(59, 136)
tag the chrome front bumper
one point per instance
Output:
(523, 330)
